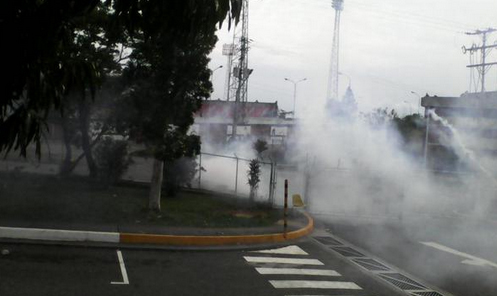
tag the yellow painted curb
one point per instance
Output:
(190, 240)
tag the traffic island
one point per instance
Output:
(46, 208)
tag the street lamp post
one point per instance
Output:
(410, 106)
(212, 73)
(419, 97)
(294, 92)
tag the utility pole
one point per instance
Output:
(483, 66)
(294, 92)
(419, 102)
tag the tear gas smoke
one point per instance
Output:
(462, 151)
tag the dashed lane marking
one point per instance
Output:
(282, 284)
(123, 270)
(470, 259)
(296, 261)
(289, 250)
(297, 271)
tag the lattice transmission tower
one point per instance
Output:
(238, 72)
(481, 64)
(335, 51)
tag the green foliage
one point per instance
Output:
(39, 66)
(180, 164)
(167, 75)
(412, 130)
(112, 160)
(179, 173)
(379, 118)
(260, 146)
(55, 47)
(254, 176)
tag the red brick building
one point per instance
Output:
(214, 122)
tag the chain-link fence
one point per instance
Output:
(229, 174)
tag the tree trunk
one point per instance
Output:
(65, 168)
(84, 125)
(252, 194)
(156, 186)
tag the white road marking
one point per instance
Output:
(471, 260)
(283, 260)
(123, 270)
(297, 271)
(290, 250)
(314, 285)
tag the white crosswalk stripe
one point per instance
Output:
(296, 261)
(283, 284)
(297, 271)
(279, 266)
(289, 250)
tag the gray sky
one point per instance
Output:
(388, 49)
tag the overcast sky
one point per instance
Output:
(388, 49)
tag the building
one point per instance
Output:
(468, 134)
(214, 122)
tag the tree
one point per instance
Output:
(93, 119)
(379, 118)
(259, 147)
(37, 72)
(167, 74)
(412, 128)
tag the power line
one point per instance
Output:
(413, 16)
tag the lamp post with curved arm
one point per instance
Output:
(295, 91)
(212, 72)
(419, 97)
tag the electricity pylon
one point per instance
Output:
(334, 63)
(238, 71)
(483, 66)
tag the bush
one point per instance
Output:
(112, 160)
(179, 173)
(254, 177)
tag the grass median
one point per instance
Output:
(78, 200)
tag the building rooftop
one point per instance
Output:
(486, 100)
(225, 109)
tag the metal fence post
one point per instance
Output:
(285, 210)
(236, 177)
(427, 134)
(271, 186)
(200, 171)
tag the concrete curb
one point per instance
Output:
(37, 234)
(58, 235)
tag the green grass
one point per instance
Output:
(29, 197)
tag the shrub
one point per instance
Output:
(179, 173)
(112, 160)
(254, 177)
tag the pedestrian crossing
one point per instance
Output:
(289, 269)
(279, 260)
(297, 271)
(314, 285)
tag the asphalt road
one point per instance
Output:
(456, 255)
(69, 270)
